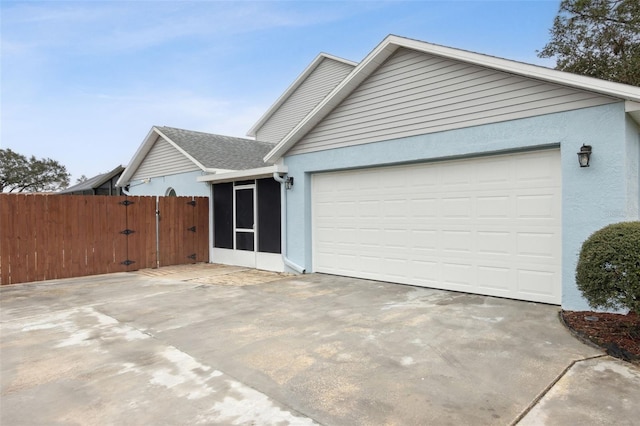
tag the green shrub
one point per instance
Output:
(608, 272)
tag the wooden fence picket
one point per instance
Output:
(47, 236)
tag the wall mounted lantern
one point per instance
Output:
(288, 182)
(584, 155)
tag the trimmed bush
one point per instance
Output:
(608, 272)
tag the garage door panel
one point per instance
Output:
(537, 170)
(535, 206)
(493, 206)
(495, 278)
(457, 241)
(394, 208)
(536, 282)
(536, 244)
(455, 207)
(491, 173)
(489, 225)
(457, 276)
(494, 243)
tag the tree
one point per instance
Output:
(19, 174)
(81, 179)
(597, 38)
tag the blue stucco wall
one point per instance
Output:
(185, 184)
(591, 197)
(633, 170)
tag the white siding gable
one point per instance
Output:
(327, 75)
(415, 93)
(163, 159)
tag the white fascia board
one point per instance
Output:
(243, 174)
(630, 106)
(392, 42)
(297, 82)
(633, 109)
(182, 151)
(137, 158)
(214, 171)
(618, 90)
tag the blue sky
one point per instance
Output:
(82, 82)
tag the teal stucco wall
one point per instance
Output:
(185, 184)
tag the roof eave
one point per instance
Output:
(137, 158)
(392, 42)
(144, 149)
(337, 95)
(633, 109)
(243, 174)
(592, 84)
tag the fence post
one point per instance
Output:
(157, 232)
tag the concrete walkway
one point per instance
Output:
(221, 345)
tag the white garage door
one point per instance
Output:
(488, 225)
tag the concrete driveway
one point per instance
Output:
(224, 345)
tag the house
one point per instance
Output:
(422, 165)
(169, 160)
(234, 193)
(102, 184)
(439, 167)
(245, 192)
(245, 204)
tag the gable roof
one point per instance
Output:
(93, 182)
(207, 151)
(392, 43)
(294, 86)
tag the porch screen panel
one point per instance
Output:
(268, 216)
(223, 215)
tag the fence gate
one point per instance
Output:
(44, 237)
(183, 230)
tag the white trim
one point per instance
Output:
(298, 81)
(269, 262)
(633, 109)
(391, 43)
(213, 171)
(234, 257)
(631, 106)
(265, 261)
(137, 158)
(243, 174)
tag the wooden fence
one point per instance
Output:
(45, 237)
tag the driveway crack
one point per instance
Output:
(546, 390)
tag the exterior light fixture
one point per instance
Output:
(584, 155)
(288, 182)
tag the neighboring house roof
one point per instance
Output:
(340, 68)
(392, 43)
(94, 182)
(208, 152)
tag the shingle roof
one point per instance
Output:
(218, 151)
(93, 182)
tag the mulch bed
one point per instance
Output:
(618, 335)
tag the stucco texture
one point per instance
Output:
(604, 193)
(185, 184)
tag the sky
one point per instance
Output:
(83, 82)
